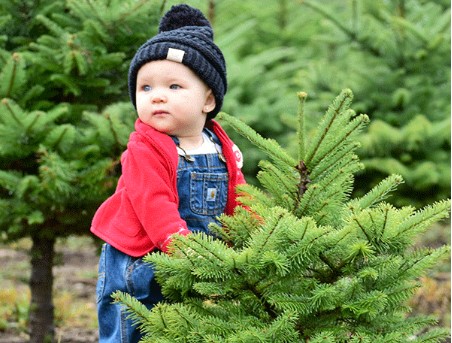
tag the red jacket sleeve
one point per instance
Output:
(150, 182)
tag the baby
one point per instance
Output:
(180, 169)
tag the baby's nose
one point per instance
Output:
(158, 97)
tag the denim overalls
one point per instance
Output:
(202, 184)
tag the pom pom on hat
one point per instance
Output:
(186, 30)
(180, 16)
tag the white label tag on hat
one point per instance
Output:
(175, 55)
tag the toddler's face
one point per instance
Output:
(171, 98)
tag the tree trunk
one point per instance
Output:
(41, 284)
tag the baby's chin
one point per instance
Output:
(159, 126)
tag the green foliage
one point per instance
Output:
(396, 55)
(302, 261)
(60, 64)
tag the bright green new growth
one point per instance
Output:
(301, 261)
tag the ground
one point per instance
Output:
(75, 284)
(74, 291)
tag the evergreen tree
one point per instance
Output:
(396, 54)
(302, 261)
(62, 62)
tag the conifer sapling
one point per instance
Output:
(301, 261)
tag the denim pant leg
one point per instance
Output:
(118, 271)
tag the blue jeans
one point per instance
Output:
(127, 274)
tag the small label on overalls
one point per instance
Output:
(211, 194)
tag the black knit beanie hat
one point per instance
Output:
(185, 36)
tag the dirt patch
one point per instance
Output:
(75, 276)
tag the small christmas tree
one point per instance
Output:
(301, 261)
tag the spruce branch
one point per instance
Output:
(287, 176)
(270, 146)
(138, 313)
(9, 180)
(363, 229)
(421, 220)
(81, 62)
(334, 270)
(399, 294)
(268, 308)
(420, 260)
(342, 156)
(112, 128)
(214, 260)
(35, 117)
(11, 111)
(333, 189)
(236, 230)
(377, 194)
(405, 24)
(9, 73)
(340, 139)
(286, 181)
(250, 195)
(307, 199)
(185, 252)
(59, 138)
(43, 47)
(435, 335)
(52, 26)
(340, 104)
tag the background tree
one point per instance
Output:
(305, 262)
(397, 56)
(61, 62)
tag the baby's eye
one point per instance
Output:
(175, 86)
(147, 88)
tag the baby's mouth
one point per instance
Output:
(159, 112)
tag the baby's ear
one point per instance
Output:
(210, 103)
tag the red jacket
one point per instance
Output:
(143, 213)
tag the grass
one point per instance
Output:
(14, 306)
(72, 312)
